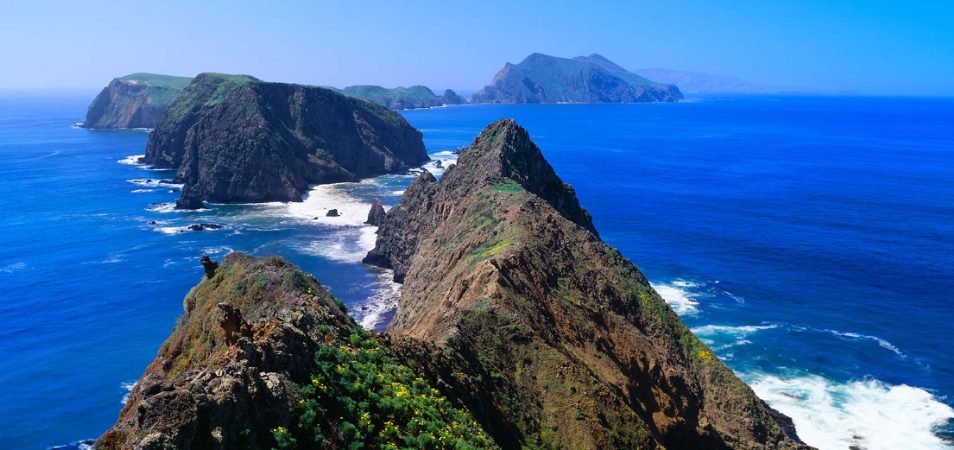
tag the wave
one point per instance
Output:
(315, 205)
(349, 244)
(154, 183)
(679, 296)
(374, 312)
(857, 336)
(867, 414)
(440, 161)
(13, 267)
(128, 387)
(133, 160)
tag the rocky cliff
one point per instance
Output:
(550, 337)
(264, 357)
(234, 138)
(585, 79)
(403, 97)
(134, 101)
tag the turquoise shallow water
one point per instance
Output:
(809, 240)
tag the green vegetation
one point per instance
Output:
(507, 185)
(360, 396)
(152, 79)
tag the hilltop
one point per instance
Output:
(134, 101)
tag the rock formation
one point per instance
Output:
(264, 357)
(585, 79)
(377, 214)
(234, 138)
(134, 101)
(517, 327)
(550, 337)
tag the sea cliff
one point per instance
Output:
(234, 138)
(134, 101)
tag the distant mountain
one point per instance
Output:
(703, 83)
(134, 101)
(234, 138)
(403, 97)
(585, 79)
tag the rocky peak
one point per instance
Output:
(504, 150)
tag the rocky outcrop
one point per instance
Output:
(376, 214)
(134, 101)
(264, 357)
(450, 97)
(585, 79)
(403, 97)
(234, 138)
(550, 337)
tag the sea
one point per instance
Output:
(809, 240)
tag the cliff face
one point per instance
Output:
(234, 138)
(549, 336)
(263, 358)
(585, 79)
(134, 101)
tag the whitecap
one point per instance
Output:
(154, 183)
(866, 414)
(679, 296)
(445, 158)
(374, 311)
(142, 191)
(162, 207)
(132, 160)
(10, 268)
(128, 387)
(349, 244)
(320, 199)
(857, 336)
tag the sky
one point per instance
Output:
(859, 47)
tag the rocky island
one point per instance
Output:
(134, 101)
(404, 97)
(517, 327)
(584, 79)
(234, 138)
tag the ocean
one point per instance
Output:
(808, 240)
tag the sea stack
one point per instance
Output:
(376, 214)
(234, 138)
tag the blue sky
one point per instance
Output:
(874, 47)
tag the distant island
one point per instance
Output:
(584, 79)
(517, 327)
(703, 83)
(404, 97)
(235, 138)
(134, 101)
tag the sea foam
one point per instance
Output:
(679, 295)
(372, 314)
(323, 198)
(867, 414)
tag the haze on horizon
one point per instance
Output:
(875, 47)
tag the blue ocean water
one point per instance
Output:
(808, 240)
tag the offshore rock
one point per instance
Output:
(234, 138)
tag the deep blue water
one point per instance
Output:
(809, 240)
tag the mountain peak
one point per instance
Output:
(504, 150)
